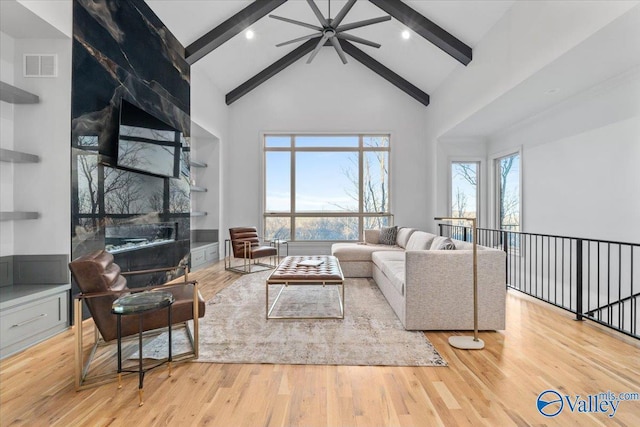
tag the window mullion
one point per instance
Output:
(293, 187)
(360, 189)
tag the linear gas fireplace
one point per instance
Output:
(126, 237)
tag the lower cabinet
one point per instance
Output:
(30, 314)
(203, 255)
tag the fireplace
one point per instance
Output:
(126, 237)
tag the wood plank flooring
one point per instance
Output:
(542, 348)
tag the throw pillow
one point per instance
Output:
(388, 235)
(443, 244)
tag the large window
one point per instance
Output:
(325, 187)
(464, 189)
(508, 192)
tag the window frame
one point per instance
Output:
(360, 149)
(495, 203)
(479, 184)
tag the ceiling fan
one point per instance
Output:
(331, 29)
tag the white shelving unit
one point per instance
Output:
(14, 95)
(12, 156)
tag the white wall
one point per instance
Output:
(7, 49)
(467, 149)
(528, 37)
(43, 129)
(211, 114)
(326, 96)
(57, 13)
(580, 164)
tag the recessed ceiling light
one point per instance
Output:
(406, 35)
(249, 34)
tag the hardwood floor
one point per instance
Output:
(542, 348)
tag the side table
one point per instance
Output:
(277, 243)
(138, 304)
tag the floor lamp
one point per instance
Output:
(466, 342)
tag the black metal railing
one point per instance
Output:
(594, 279)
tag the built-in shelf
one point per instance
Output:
(198, 189)
(197, 164)
(14, 95)
(17, 156)
(198, 213)
(16, 216)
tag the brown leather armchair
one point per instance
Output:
(101, 282)
(245, 244)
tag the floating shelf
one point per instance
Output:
(16, 216)
(197, 164)
(198, 189)
(14, 95)
(196, 213)
(17, 157)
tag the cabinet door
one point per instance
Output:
(211, 253)
(197, 257)
(26, 324)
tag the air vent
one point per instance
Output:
(36, 65)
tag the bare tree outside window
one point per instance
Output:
(464, 190)
(508, 174)
(340, 186)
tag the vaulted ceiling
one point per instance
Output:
(442, 36)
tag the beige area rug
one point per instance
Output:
(234, 329)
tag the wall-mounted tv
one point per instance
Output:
(147, 144)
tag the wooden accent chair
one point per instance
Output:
(245, 244)
(101, 282)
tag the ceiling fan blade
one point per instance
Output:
(299, 39)
(293, 21)
(340, 16)
(317, 49)
(359, 24)
(357, 39)
(336, 43)
(318, 14)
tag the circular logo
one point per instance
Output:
(550, 403)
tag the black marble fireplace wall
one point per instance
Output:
(122, 51)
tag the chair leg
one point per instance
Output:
(77, 314)
(196, 317)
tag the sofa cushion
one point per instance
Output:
(388, 235)
(394, 270)
(462, 245)
(358, 252)
(403, 236)
(419, 241)
(392, 265)
(441, 243)
(381, 257)
(372, 236)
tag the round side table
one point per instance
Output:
(138, 304)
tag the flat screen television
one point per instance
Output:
(147, 144)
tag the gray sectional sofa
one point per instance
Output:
(428, 287)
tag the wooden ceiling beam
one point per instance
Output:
(271, 70)
(427, 29)
(229, 28)
(385, 73)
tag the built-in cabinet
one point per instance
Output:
(34, 300)
(204, 197)
(203, 254)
